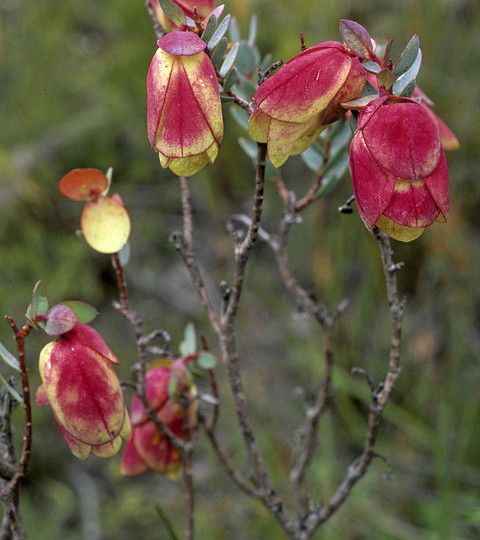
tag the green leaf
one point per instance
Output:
(9, 358)
(372, 67)
(219, 32)
(166, 523)
(38, 306)
(409, 89)
(248, 59)
(229, 59)
(409, 76)
(333, 173)
(206, 360)
(252, 31)
(210, 28)
(85, 312)
(408, 57)
(173, 12)
(356, 38)
(312, 158)
(230, 80)
(240, 116)
(234, 31)
(189, 343)
(219, 52)
(12, 391)
(385, 78)
(124, 254)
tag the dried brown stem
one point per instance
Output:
(380, 397)
(12, 523)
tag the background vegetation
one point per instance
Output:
(72, 79)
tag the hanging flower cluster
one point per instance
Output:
(399, 171)
(184, 113)
(303, 97)
(167, 385)
(82, 388)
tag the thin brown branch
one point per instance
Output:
(380, 397)
(184, 245)
(10, 492)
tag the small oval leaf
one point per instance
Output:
(219, 32)
(105, 225)
(189, 344)
(408, 57)
(60, 319)
(206, 360)
(357, 39)
(9, 358)
(173, 12)
(83, 184)
(84, 312)
(229, 59)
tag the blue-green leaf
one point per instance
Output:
(219, 32)
(210, 28)
(219, 52)
(410, 75)
(408, 57)
(173, 12)
(189, 343)
(229, 59)
(12, 391)
(252, 31)
(9, 358)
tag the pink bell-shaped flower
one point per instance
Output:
(399, 171)
(84, 392)
(184, 113)
(148, 448)
(296, 103)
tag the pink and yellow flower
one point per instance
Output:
(184, 113)
(303, 97)
(148, 448)
(203, 7)
(399, 171)
(84, 392)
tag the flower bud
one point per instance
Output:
(147, 447)
(184, 113)
(399, 171)
(297, 102)
(84, 392)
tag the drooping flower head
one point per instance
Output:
(148, 448)
(399, 171)
(184, 113)
(296, 103)
(83, 390)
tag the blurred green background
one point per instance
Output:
(72, 79)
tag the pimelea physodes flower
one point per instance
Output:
(184, 113)
(148, 448)
(399, 171)
(295, 104)
(84, 392)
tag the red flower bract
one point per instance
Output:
(297, 102)
(184, 113)
(84, 392)
(147, 447)
(399, 171)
